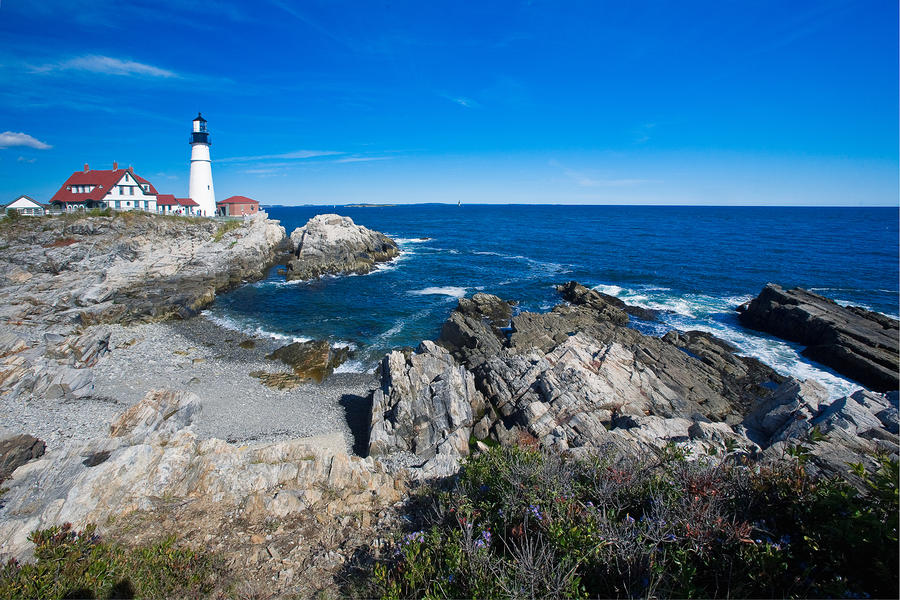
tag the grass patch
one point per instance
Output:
(78, 564)
(225, 228)
(247, 344)
(522, 523)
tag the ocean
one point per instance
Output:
(696, 264)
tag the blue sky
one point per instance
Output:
(786, 103)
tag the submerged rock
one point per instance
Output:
(858, 343)
(313, 360)
(332, 244)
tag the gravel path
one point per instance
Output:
(199, 356)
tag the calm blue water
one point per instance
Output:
(697, 263)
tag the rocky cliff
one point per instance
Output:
(151, 469)
(858, 343)
(125, 268)
(332, 244)
(577, 379)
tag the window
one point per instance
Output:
(118, 204)
(131, 190)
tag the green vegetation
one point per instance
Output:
(225, 228)
(522, 523)
(77, 564)
(97, 212)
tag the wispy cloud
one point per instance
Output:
(643, 133)
(297, 154)
(462, 101)
(587, 179)
(22, 159)
(260, 171)
(353, 159)
(106, 65)
(8, 139)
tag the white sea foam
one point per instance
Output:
(351, 366)
(400, 241)
(704, 313)
(249, 328)
(611, 290)
(391, 264)
(452, 291)
(342, 344)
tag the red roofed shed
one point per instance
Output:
(237, 206)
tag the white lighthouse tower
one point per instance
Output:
(201, 187)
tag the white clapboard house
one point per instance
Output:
(119, 189)
(26, 206)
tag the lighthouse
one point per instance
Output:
(201, 187)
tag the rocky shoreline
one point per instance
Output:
(245, 445)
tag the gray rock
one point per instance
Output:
(17, 450)
(152, 459)
(332, 244)
(425, 406)
(856, 342)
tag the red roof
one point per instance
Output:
(171, 200)
(103, 182)
(237, 200)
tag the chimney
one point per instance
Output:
(131, 169)
(115, 166)
(86, 168)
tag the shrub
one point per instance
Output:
(77, 564)
(522, 523)
(226, 227)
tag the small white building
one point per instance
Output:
(168, 204)
(119, 189)
(26, 206)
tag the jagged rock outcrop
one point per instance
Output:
(126, 268)
(56, 366)
(426, 405)
(858, 343)
(576, 379)
(152, 460)
(332, 244)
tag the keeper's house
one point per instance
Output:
(26, 206)
(237, 206)
(119, 189)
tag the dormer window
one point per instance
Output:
(69, 188)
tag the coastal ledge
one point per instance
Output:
(333, 245)
(855, 342)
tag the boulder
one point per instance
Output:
(313, 360)
(858, 343)
(17, 450)
(332, 244)
(427, 405)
